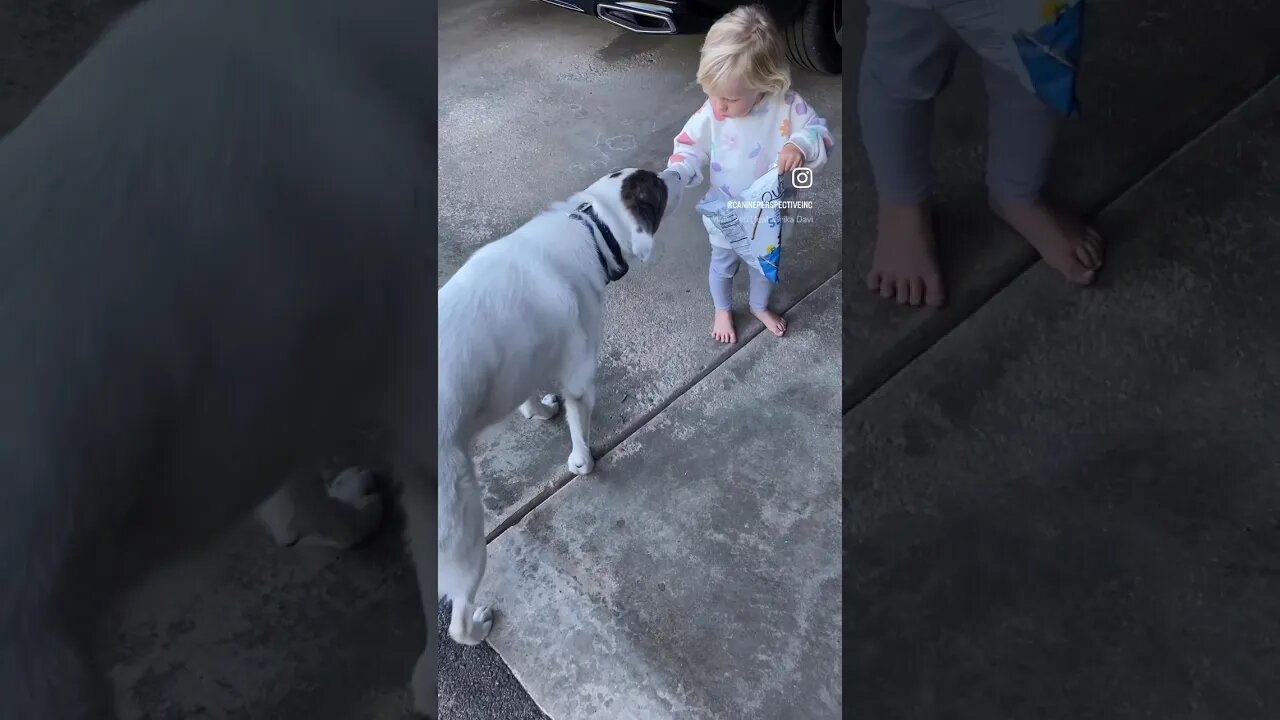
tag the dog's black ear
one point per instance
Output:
(644, 194)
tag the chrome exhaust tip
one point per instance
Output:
(655, 21)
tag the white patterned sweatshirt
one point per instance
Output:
(739, 150)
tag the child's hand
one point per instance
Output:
(790, 158)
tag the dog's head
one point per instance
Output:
(641, 197)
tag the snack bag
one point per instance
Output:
(752, 222)
(1039, 41)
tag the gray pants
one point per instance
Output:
(724, 265)
(909, 57)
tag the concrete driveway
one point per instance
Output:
(618, 590)
(1062, 503)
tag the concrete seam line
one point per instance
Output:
(945, 326)
(852, 400)
(632, 428)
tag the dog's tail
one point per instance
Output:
(460, 525)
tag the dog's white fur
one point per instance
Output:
(213, 243)
(523, 313)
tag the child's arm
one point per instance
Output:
(692, 147)
(809, 133)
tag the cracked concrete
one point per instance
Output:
(695, 574)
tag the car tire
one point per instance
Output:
(814, 37)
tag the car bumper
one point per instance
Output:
(655, 17)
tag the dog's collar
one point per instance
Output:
(594, 224)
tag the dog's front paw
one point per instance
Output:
(580, 463)
(545, 408)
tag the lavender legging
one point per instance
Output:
(724, 265)
(911, 49)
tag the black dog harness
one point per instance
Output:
(593, 224)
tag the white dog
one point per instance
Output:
(214, 237)
(524, 312)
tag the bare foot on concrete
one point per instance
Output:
(1066, 244)
(772, 321)
(905, 265)
(722, 329)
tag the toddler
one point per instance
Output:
(911, 48)
(750, 120)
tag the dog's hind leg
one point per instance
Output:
(305, 512)
(461, 546)
(543, 408)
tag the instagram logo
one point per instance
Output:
(802, 178)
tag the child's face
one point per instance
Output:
(733, 99)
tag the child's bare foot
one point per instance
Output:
(905, 264)
(1066, 244)
(772, 320)
(722, 329)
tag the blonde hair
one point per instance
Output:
(746, 45)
